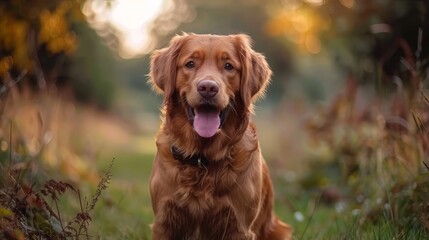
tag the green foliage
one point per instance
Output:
(369, 40)
(93, 70)
(31, 204)
(30, 211)
(381, 154)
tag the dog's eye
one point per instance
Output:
(190, 64)
(228, 66)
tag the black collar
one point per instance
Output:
(194, 160)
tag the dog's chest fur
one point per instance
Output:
(204, 186)
(203, 200)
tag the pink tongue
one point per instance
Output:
(206, 123)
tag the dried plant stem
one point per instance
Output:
(426, 165)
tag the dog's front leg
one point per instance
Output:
(175, 223)
(224, 225)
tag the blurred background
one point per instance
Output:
(343, 125)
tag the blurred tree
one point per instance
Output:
(35, 36)
(372, 40)
(93, 69)
(49, 41)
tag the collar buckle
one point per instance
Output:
(196, 160)
(199, 163)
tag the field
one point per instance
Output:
(344, 126)
(316, 192)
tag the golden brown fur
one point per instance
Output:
(231, 197)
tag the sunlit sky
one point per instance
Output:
(131, 18)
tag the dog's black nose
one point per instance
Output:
(208, 88)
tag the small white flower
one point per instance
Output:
(379, 200)
(387, 206)
(340, 206)
(298, 216)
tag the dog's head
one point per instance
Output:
(209, 75)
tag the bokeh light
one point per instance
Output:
(130, 19)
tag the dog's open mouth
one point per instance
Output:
(206, 119)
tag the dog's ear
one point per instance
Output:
(255, 73)
(163, 67)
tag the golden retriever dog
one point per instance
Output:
(209, 179)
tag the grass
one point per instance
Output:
(124, 211)
(324, 221)
(56, 147)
